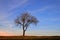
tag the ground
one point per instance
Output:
(31, 37)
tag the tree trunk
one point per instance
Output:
(23, 32)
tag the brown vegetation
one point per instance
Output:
(31, 37)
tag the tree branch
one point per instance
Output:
(26, 25)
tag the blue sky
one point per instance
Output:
(46, 11)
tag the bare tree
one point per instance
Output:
(25, 20)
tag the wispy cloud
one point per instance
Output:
(50, 19)
(8, 28)
(6, 6)
(17, 3)
(5, 15)
(8, 24)
(40, 9)
(10, 5)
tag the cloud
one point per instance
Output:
(10, 5)
(40, 9)
(9, 28)
(3, 16)
(17, 3)
(50, 19)
(8, 24)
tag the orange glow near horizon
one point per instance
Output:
(3, 33)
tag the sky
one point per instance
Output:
(46, 11)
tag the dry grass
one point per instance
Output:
(31, 37)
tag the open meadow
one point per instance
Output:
(30, 37)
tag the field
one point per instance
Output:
(30, 37)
